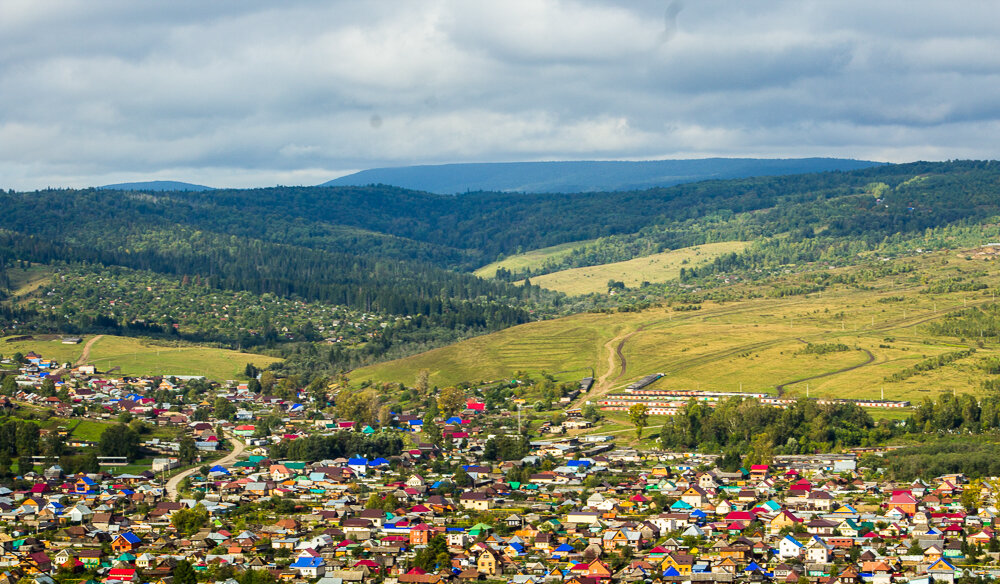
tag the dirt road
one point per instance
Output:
(172, 484)
(85, 355)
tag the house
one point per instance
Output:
(489, 562)
(309, 566)
(125, 542)
(818, 551)
(789, 547)
(475, 500)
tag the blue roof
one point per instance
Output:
(416, 422)
(218, 468)
(699, 513)
(564, 548)
(454, 420)
(358, 460)
(130, 537)
(378, 462)
(671, 571)
(307, 563)
(577, 463)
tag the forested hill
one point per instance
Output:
(409, 254)
(156, 185)
(585, 176)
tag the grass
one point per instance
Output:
(143, 357)
(532, 259)
(86, 429)
(654, 268)
(48, 346)
(136, 356)
(756, 343)
(26, 281)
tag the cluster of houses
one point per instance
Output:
(618, 517)
(574, 510)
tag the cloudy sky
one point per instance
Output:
(257, 92)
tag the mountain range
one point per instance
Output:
(585, 176)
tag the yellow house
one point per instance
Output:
(680, 562)
(488, 562)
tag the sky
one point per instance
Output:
(244, 93)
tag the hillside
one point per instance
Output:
(658, 267)
(395, 266)
(584, 176)
(882, 312)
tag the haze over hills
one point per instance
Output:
(585, 176)
(156, 185)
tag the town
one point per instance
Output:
(268, 489)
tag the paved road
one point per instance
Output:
(238, 448)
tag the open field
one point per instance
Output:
(25, 281)
(754, 344)
(530, 260)
(135, 356)
(653, 268)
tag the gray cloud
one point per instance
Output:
(248, 93)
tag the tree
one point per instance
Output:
(24, 465)
(450, 401)
(9, 385)
(461, 478)
(188, 521)
(48, 388)
(184, 573)
(27, 438)
(267, 381)
(591, 412)
(385, 416)
(188, 450)
(423, 382)
(224, 409)
(638, 414)
(119, 440)
(53, 445)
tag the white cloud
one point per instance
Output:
(230, 92)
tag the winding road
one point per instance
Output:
(871, 358)
(172, 484)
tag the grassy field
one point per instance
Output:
(25, 281)
(532, 259)
(136, 356)
(654, 268)
(755, 344)
(47, 346)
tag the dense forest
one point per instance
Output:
(403, 257)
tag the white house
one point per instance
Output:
(789, 547)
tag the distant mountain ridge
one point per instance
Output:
(586, 176)
(156, 185)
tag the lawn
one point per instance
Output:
(653, 268)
